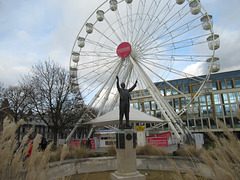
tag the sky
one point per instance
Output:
(38, 30)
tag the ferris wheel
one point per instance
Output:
(148, 40)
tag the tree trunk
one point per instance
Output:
(55, 133)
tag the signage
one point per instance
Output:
(124, 49)
(165, 134)
(140, 128)
(156, 141)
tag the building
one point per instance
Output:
(221, 102)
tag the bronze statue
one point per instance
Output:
(124, 103)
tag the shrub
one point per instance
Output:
(188, 150)
(151, 150)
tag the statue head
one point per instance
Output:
(123, 85)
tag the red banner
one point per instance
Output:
(77, 142)
(165, 134)
(156, 141)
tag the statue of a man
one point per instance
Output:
(124, 102)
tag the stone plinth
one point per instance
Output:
(126, 140)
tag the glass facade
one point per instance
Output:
(220, 104)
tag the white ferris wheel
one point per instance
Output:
(148, 40)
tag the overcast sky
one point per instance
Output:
(38, 30)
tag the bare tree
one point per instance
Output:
(51, 96)
(18, 99)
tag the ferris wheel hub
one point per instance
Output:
(124, 49)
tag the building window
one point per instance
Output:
(168, 91)
(152, 113)
(218, 110)
(210, 110)
(237, 83)
(226, 110)
(217, 99)
(135, 105)
(146, 106)
(229, 84)
(214, 86)
(183, 104)
(232, 97)
(234, 107)
(176, 103)
(238, 96)
(153, 105)
(209, 100)
(202, 100)
(225, 98)
(223, 85)
(194, 88)
(146, 93)
(140, 106)
(204, 111)
(174, 91)
(135, 94)
(169, 101)
(158, 114)
(186, 88)
(162, 92)
(180, 88)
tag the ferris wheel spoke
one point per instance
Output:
(105, 66)
(175, 57)
(121, 26)
(138, 17)
(179, 45)
(173, 70)
(113, 30)
(104, 55)
(165, 31)
(165, 11)
(89, 74)
(163, 80)
(93, 42)
(150, 32)
(106, 36)
(143, 16)
(101, 84)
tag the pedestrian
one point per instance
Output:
(89, 144)
(43, 143)
(29, 144)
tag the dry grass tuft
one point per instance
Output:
(77, 152)
(151, 150)
(223, 161)
(111, 151)
(63, 153)
(14, 164)
(188, 150)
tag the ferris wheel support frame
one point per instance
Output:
(159, 101)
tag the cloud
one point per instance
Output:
(34, 31)
(229, 49)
